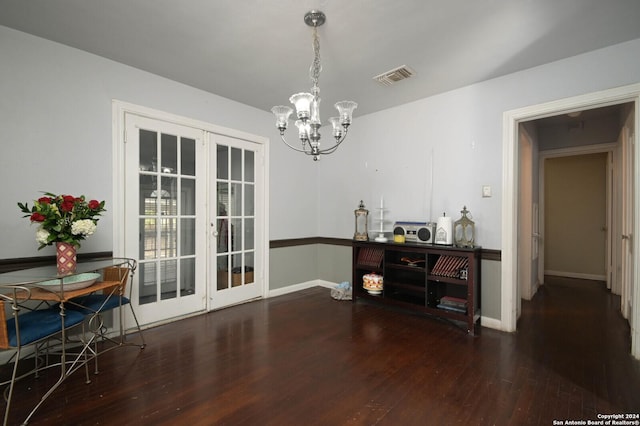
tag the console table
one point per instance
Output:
(441, 281)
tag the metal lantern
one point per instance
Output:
(464, 230)
(362, 217)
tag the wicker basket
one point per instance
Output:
(236, 278)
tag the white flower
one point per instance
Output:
(83, 227)
(42, 235)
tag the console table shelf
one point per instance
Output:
(441, 281)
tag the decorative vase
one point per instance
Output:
(65, 258)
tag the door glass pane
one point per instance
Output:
(187, 236)
(223, 162)
(169, 154)
(248, 266)
(168, 237)
(188, 192)
(148, 185)
(147, 286)
(235, 200)
(223, 198)
(223, 272)
(148, 151)
(187, 157)
(236, 164)
(236, 234)
(148, 240)
(168, 196)
(236, 269)
(223, 235)
(187, 276)
(248, 234)
(249, 209)
(249, 171)
(168, 279)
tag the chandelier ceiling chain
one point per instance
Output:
(316, 66)
(308, 105)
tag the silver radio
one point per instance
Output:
(418, 232)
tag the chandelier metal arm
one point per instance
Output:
(308, 150)
(293, 147)
(335, 147)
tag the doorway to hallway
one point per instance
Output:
(628, 205)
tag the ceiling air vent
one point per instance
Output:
(395, 75)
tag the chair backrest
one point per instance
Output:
(12, 295)
(119, 274)
(4, 334)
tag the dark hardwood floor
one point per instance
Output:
(305, 358)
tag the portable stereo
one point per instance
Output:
(418, 232)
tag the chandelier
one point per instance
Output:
(308, 105)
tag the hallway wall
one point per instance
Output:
(575, 216)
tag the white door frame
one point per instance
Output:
(526, 288)
(510, 157)
(119, 110)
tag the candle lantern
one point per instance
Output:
(464, 230)
(362, 217)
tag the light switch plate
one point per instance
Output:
(486, 191)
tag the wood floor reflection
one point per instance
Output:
(305, 358)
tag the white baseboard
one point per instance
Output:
(327, 284)
(301, 286)
(578, 275)
(496, 324)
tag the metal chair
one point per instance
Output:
(28, 327)
(95, 304)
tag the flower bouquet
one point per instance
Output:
(64, 220)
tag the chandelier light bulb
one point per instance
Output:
(282, 114)
(345, 109)
(302, 102)
(337, 127)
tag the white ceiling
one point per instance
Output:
(258, 52)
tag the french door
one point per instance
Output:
(165, 207)
(235, 219)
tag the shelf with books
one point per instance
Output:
(441, 281)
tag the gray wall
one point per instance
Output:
(575, 215)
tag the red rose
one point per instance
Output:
(67, 204)
(94, 204)
(37, 217)
(44, 200)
